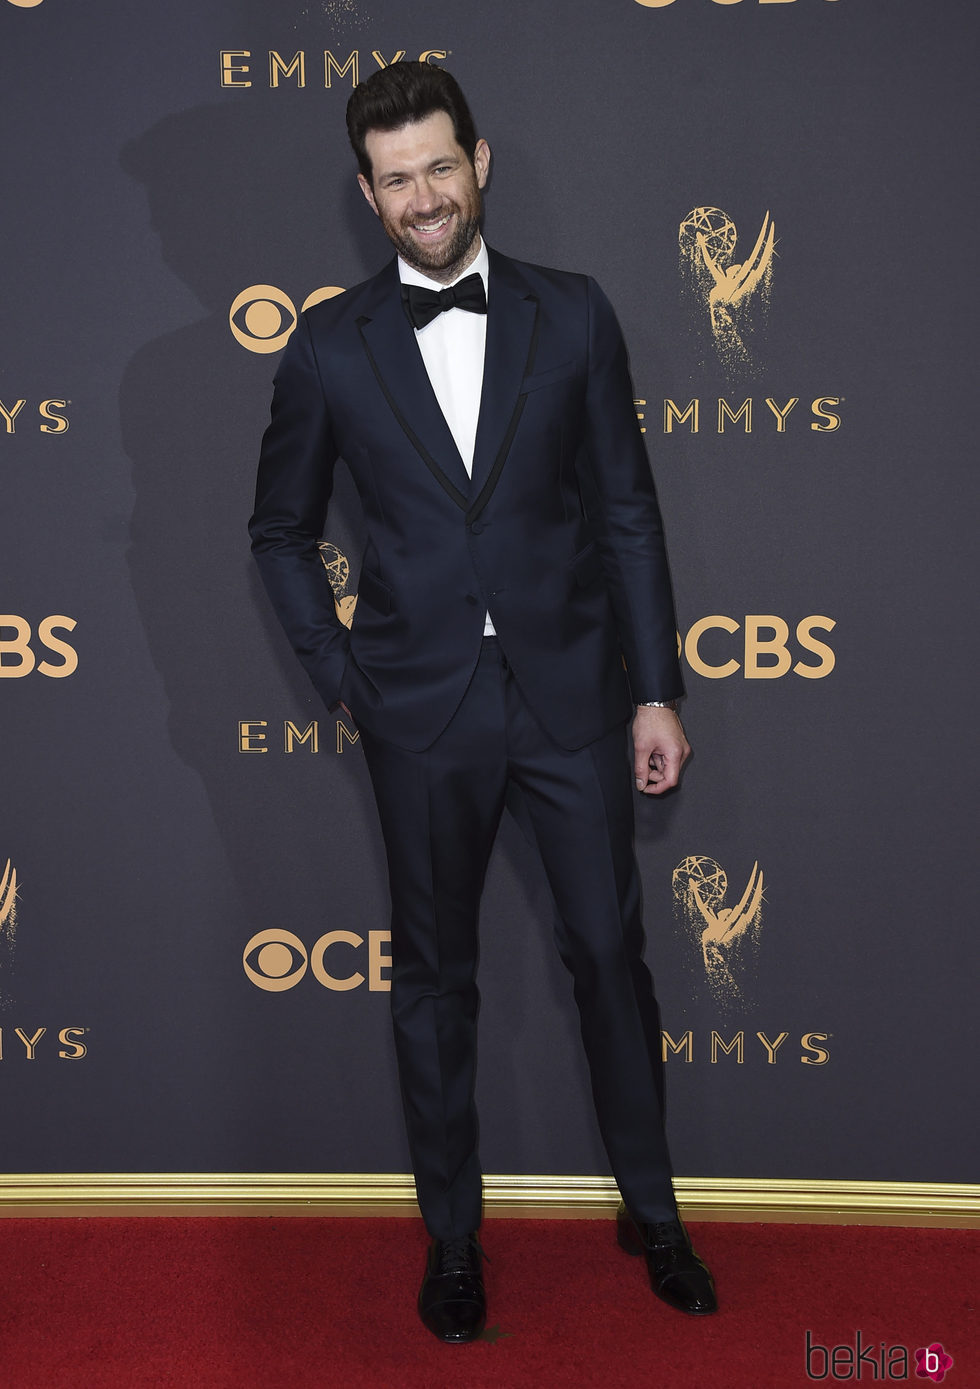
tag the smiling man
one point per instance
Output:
(427, 194)
(514, 624)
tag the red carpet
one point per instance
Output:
(296, 1303)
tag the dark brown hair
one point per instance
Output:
(401, 94)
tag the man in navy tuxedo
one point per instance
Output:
(514, 614)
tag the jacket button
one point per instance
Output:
(477, 527)
(471, 600)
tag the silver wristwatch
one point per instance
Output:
(657, 704)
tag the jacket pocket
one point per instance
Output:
(375, 592)
(587, 565)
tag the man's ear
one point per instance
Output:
(368, 192)
(481, 162)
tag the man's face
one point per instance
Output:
(427, 194)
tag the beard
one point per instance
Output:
(438, 262)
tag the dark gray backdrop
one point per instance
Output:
(140, 200)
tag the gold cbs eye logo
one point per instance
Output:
(278, 960)
(25, 4)
(262, 317)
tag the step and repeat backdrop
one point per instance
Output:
(778, 197)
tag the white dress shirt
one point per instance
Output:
(453, 346)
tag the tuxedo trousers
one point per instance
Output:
(440, 810)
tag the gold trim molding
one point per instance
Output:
(374, 1194)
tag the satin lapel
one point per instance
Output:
(395, 358)
(511, 334)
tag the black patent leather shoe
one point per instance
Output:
(452, 1300)
(677, 1275)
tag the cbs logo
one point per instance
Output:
(25, 4)
(765, 647)
(276, 960)
(262, 317)
(17, 657)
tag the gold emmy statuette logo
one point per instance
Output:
(338, 572)
(262, 317)
(727, 288)
(8, 901)
(8, 923)
(728, 936)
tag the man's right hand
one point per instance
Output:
(660, 749)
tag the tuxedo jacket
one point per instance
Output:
(557, 534)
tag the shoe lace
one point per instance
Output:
(457, 1255)
(664, 1232)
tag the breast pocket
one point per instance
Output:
(564, 372)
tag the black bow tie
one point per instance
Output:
(423, 305)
